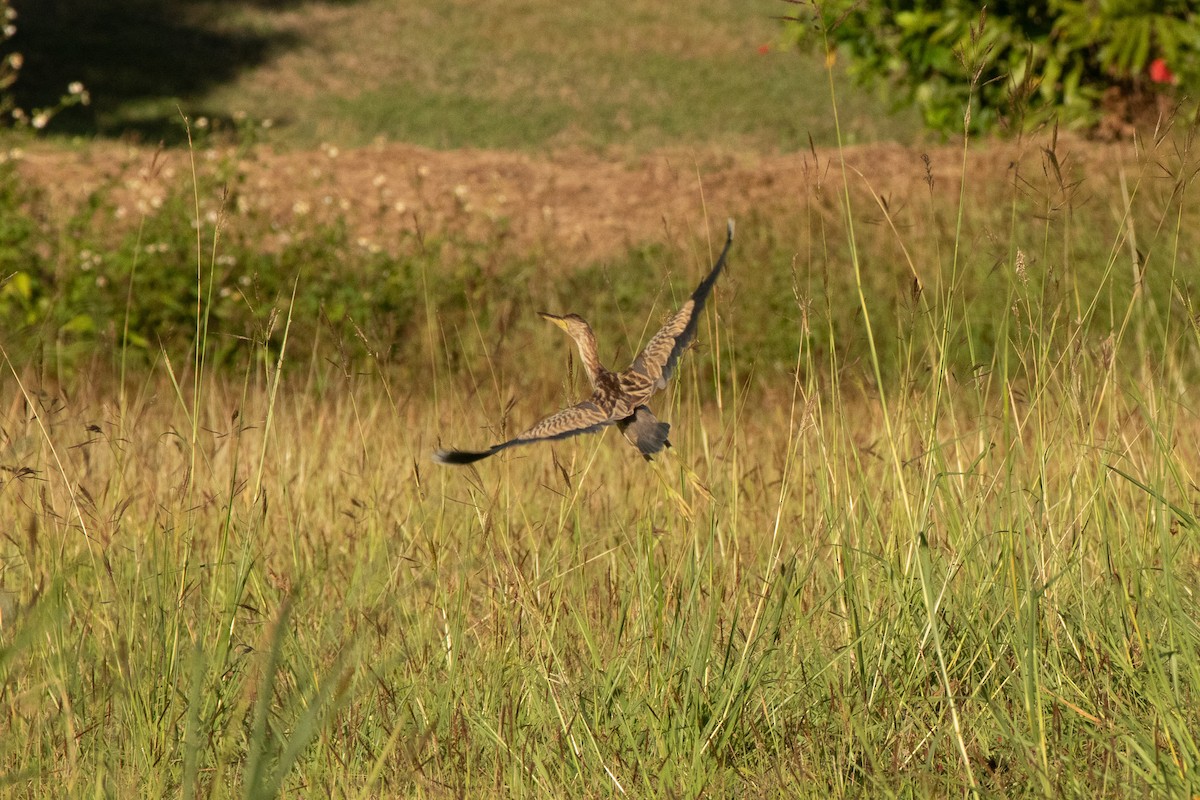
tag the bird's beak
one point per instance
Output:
(559, 321)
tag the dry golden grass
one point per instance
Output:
(947, 584)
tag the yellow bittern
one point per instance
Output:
(618, 398)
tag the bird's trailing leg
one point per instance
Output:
(645, 432)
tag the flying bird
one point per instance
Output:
(618, 398)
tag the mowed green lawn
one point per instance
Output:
(538, 75)
(529, 75)
(928, 528)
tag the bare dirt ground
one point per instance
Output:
(565, 207)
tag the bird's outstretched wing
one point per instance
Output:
(585, 417)
(654, 366)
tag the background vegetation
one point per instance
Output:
(451, 74)
(1019, 65)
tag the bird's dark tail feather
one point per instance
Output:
(654, 440)
(461, 456)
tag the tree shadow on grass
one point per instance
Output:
(141, 60)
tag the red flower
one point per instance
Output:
(763, 49)
(1160, 72)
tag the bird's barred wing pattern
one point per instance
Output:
(585, 417)
(654, 366)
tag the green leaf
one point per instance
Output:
(80, 323)
(18, 285)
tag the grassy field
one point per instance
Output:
(939, 540)
(929, 526)
(447, 74)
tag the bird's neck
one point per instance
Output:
(590, 357)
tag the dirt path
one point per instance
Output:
(566, 207)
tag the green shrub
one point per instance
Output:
(1016, 63)
(71, 289)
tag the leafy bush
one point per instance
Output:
(1016, 63)
(71, 289)
(18, 256)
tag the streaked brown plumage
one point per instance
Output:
(618, 398)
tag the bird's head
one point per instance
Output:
(573, 324)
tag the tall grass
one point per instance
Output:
(929, 525)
